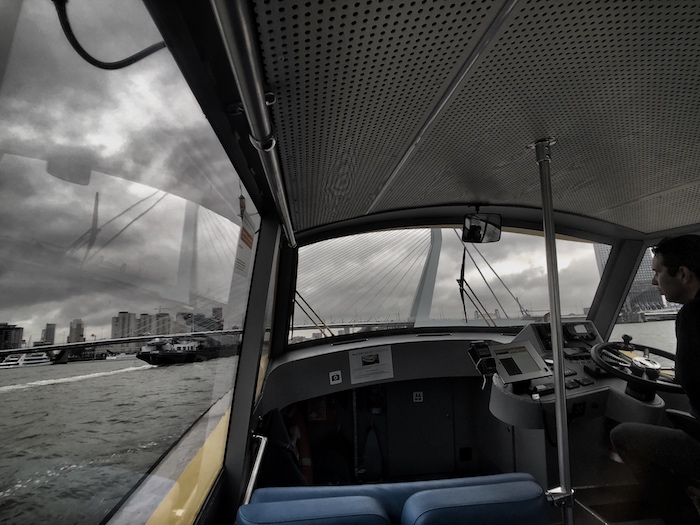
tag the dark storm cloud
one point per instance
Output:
(138, 124)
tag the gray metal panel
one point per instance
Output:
(619, 156)
(354, 82)
(420, 427)
(292, 379)
(615, 82)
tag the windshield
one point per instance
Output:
(384, 280)
(121, 237)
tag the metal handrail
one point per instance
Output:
(235, 21)
(256, 468)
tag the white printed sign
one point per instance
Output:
(372, 364)
(245, 246)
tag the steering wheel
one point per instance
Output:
(633, 363)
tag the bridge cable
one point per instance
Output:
(481, 273)
(312, 310)
(480, 307)
(523, 311)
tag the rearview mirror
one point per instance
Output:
(71, 164)
(480, 228)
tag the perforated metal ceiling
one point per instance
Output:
(616, 82)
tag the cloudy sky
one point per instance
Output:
(138, 138)
(132, 132)
(374, 277)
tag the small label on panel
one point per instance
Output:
(244, 250)
(335, 377)
(373, 364)
(417, 397)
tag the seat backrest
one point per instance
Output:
(684, 421)
(345, 510)
(392, 496)
(511, 503)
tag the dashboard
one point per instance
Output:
(590, 391)
(336, 367)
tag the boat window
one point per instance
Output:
(645, 315)
(371, 281)
(121, 233)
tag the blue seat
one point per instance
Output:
(391, 496)
(510, 503)
(344, 510)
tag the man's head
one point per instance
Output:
(676, 266)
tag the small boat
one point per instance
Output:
(120, 357)
(169, 351)
(31, 359)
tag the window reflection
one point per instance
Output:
(119, 217)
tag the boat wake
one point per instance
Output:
(75, 379)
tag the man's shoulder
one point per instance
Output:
(690, 309)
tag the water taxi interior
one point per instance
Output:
(568, 124)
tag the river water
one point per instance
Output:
(657, 334)
(75, 438)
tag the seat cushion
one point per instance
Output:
(345, 510)
(511, 503)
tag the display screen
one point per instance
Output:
(580, 329)
(517, 362)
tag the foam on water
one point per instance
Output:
(32, 384)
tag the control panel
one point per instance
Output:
(578, 338)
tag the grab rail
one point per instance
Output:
(256, 468)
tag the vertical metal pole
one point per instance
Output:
(245, 383)
(565, 491)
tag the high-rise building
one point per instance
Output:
(76, 333)
(48, 334)
(146, 324)
(217, 316)
(643, 295)
(10, 336)
(197, 322)
(163, 323)
(124, 325)
(183, 322)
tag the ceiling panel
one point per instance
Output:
(615, 82)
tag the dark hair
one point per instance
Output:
(683, 250)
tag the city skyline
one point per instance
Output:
(124, 324)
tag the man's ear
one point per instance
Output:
(686, 274)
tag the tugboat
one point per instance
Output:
(169, 351)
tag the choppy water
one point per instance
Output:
(75, 438)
